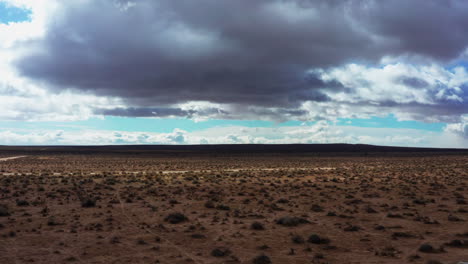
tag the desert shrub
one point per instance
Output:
(220, 252)
(209, 204)
(291, 221)
(88, 202)
(390, 215)
(413, 257)
(176, 218)
(257, 226)
(317, 208)
(458, 243)
(352, 228)
(22, 203)
(316, 239)
(282, 200)
(454, 218)
(297, 239)
(223, 207)
(427, 248)
(387, 252)
(434, 262)
(141, 242)
(198, 236)
(262, 259)
(52, 221)
(4, 210)
(402, 235)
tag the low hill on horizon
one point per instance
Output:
(225, 148)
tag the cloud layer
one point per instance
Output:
(274, 58)
(279, 60)
(321, 132)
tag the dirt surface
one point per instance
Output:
(190, 208)
(11, 158)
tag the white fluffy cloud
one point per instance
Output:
(412, 92)
(460, 129)
(320, 132)
(23, 99)
(41, 12)
(399, 82)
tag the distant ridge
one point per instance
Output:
(226, 148)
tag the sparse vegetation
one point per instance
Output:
(191, 208)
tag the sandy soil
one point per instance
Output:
(233, 209)
(11, 158)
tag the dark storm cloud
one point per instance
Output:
(438, 29)
(156, 112)
(254, 52)
(142, 112)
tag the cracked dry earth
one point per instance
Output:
(233, 209)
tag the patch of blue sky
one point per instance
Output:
(13, 14)
(166, 125)
(131, 124)
(390, 121)
(458, 63)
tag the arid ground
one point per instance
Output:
(179, 207)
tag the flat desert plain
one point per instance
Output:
(182, 207)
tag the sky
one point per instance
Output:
(102, 72)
